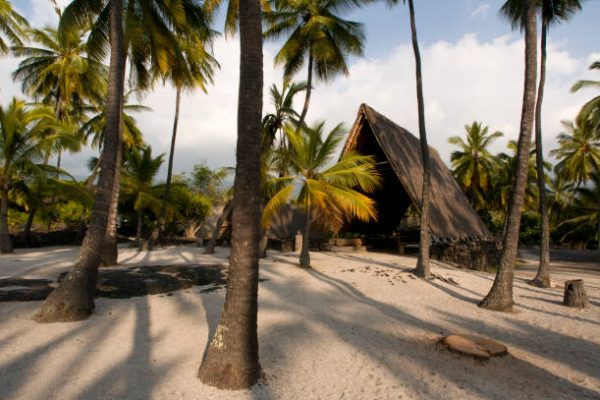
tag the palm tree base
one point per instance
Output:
(420, 272)
(495, 303)
(541, 282)
(72, 300)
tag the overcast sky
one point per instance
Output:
(472, 70)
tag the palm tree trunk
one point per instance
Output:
(163, 210)
(500, 297)
(73, 299)
(542, 277)
(29, 224)
(308, 87)
(210, 246)
(231, 359)
(423, 269)
(305, 253)
(138, 232)
(5, 242)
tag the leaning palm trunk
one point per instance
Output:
(542, 277)
(231, 358)
(73, 299)
(500, 297)
(423, 269)
(5, 242)
(210, 246)
(110, 252)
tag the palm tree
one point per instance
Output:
(473, 165)
(587, 207)
(21, 145)
(334, 192)
(196, 70)
(59, 73)
(553, 11)
(578, 153)
(423, 267)
(316, 32)
(73, 299)
(138, 179)
(505, 180)
(12, 25)
(231, 358)
(590, 112)
(273, 123)
(500, 297)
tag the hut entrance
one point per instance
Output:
(398, 220)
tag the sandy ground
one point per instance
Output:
(356, 326)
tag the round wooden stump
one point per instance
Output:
(475, 346)
(575, 295)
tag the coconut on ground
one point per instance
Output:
(356, 326)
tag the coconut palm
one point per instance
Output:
(22, 143)
(140, 170)
(590, 112)
(231, 358)
(423, 267)
(73, 299)
(587, 207)
(334, 192)
(552, 12)
(273, 123)
(58, 72)
(315, 33)
(195, 71)
(12, 27)
(500, 297)
(473, 165)
(578, 153)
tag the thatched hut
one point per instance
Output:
(458, 234)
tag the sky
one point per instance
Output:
(472, 71)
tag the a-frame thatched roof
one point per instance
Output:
(451, 214)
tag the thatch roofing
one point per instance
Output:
(451, 214)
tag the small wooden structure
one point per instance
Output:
(575, 295)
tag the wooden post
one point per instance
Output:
(575, 294)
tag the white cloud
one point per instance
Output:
(480, 11)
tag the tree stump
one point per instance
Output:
(575, 294)
(475, 346)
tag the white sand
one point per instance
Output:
(356, 326)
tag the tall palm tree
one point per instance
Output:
(474, 165)
(231, 358)
(552, 11)
(138, 180)
(334, 192)
(73, 299)
(590, 112)
(195, 71)
(317, 33)
(22, 144)
(500, 297)
(12, 27)
(423, 267)
(578, 153)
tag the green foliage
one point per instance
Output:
(16, 219)
(12, 25)
(589, 115)
(209, 182)
(335, 190)
(473, 165)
